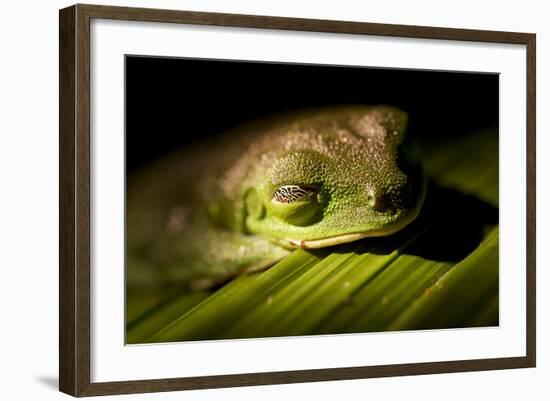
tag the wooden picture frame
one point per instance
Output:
(74, 295)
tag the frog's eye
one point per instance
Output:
(299, 205)
(292, 193)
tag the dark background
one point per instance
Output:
(171, 102)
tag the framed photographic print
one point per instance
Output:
(251, 200)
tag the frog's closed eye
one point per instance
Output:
(292, 193)
(298, 205)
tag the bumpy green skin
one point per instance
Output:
(203, 216)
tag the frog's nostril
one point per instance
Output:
(391, 198)
(380, 202)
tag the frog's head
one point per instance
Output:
(333, 177)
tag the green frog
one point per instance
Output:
(307, 179)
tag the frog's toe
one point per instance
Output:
(205, 283)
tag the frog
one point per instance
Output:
(308, 179)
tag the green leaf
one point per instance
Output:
(440, 272)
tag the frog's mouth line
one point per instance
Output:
(344, 238)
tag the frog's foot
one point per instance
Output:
(204, 283)
(264, 265)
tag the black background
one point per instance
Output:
(171, 102)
